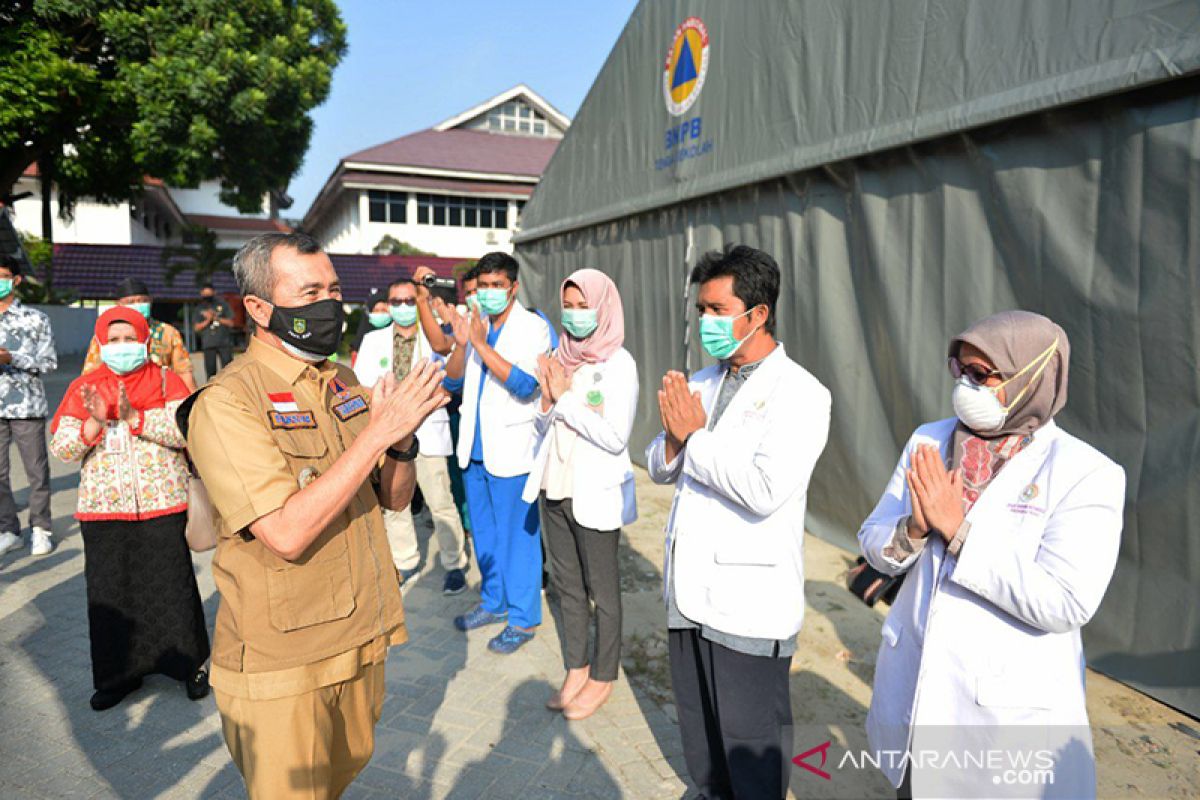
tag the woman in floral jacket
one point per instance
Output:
(144, 610)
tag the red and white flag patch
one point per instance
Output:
(283, 402)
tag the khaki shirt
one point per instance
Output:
(268, 425)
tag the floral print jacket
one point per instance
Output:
(129, 473)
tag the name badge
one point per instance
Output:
(348, 409)
(116, 438)
(291, 420)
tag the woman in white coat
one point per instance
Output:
(582, 473)
(979, 684)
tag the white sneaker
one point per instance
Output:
(40, 543)
(8, 541)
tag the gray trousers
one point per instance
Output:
(583, 567)
(30, 437)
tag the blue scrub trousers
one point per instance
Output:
(508, 545)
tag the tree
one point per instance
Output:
(101, 93)
(391, 246)
(36, 286)
(200, 255)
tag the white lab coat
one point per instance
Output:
(976, 646)
(603, 485)
(741, 491)
(507, 421)
(375, 360)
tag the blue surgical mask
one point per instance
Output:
(492, 301)
(404, 315)
(472, 302)
(6, 287)
(141, 308)
(580, 322)
(123, 357)
(716, 335)
(379, 319)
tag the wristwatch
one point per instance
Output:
(405, 455)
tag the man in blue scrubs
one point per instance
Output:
(493, 365)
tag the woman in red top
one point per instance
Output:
(144, 610)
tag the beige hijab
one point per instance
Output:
(1012, 340)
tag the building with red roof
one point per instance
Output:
(456, 189)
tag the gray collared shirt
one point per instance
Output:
(731, 383)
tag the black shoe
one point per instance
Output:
(197, 685)
(105, 699)
(455, 583)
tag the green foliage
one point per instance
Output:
(201, 256)
(391, 246)
(181, 90)
(34, 288)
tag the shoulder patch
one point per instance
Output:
(348, 409)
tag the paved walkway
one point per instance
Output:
(458, 722)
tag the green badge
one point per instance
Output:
(595, 397)
(383, 362)
(299, 326)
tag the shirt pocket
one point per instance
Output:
(301, 443)
(747, 551)
(317, 590)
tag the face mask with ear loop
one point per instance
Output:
(979, 408)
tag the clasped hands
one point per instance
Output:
(97, 407)
(399, 407)
(937, 495)
(553, 379)
(682, 412)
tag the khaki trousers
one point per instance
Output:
(433, 476)
(310, 745)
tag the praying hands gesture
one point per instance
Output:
(681, 410)
(458, 323)
(97, 410)
(553, 379)
(936, 494)
(477, 329)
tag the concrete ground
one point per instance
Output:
(461, 722)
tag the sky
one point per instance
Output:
(413, 64)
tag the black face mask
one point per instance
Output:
(315, 329)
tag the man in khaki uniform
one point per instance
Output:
(297, 458)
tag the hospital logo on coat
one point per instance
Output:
(686, 67)
(1030, 492)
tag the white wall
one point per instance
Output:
(348, 229)
(206, 199)
(92, 223)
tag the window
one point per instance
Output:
(461, 212)
(518, 116)
(387, 206)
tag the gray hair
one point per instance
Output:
(252, 263)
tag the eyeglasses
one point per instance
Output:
(403, 301)
(976, 373)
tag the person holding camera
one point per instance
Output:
(397, 349)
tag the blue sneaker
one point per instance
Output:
(509, 640)
(477, 618)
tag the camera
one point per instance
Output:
(434, 282)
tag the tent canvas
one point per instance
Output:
(913, 167)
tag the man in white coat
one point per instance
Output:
(740, 442)
(397, 348)
(493, 366)
(979, 683)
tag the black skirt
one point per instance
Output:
(144, 610)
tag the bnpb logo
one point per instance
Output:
(686, 67)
